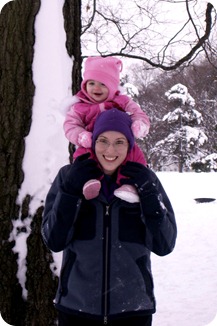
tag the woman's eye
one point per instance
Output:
(103, 141)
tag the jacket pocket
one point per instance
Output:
(65, 272)
(85, 226)
(143, 263)
(131, 227)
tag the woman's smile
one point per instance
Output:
(110, 158)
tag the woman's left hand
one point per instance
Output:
(137, 175)
(147, 186)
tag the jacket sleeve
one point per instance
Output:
(81, 117)
(60, 213)
(159, 218)
(136, 112)
(73, 125)
(137, 115)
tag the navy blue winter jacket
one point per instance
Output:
(106, 267)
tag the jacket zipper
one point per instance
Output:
(106, 265)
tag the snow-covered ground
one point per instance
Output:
(186, 280)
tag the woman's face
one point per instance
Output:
(111, 149)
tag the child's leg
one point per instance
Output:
(135, 155)
(92, 187)
(129, 192)
(81, 150)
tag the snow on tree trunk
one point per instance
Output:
(28, 284)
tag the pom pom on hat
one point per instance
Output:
(113, 120)
(105, 70)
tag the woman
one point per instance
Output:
(106, 274)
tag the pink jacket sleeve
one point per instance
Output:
(79, 118)
(141, 122)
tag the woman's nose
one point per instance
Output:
(110, 148)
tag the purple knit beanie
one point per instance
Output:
(105, 70)
(113, 120)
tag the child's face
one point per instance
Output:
(98, 91)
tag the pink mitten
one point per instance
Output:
(139, 129)
(85, 139)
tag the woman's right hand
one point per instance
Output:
(82, 170)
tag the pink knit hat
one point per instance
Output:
(105, 70)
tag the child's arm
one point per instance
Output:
(73, 126)
(141, 123)
(78, 124)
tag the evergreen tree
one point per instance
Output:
(185, 139)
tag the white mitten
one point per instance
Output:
(85, 139)
(139, 129)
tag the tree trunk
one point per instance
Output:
(72, 16)
(16, 99)
(16, 96)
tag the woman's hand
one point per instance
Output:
(137, 175)
(82, 170)
(145, 181)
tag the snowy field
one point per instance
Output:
(186, 280)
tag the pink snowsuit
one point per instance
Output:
(81, 117)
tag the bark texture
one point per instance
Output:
(72, 19)
(17, 35)
(16, 95)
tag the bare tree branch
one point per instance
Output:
(135, 40)
(91, 18)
